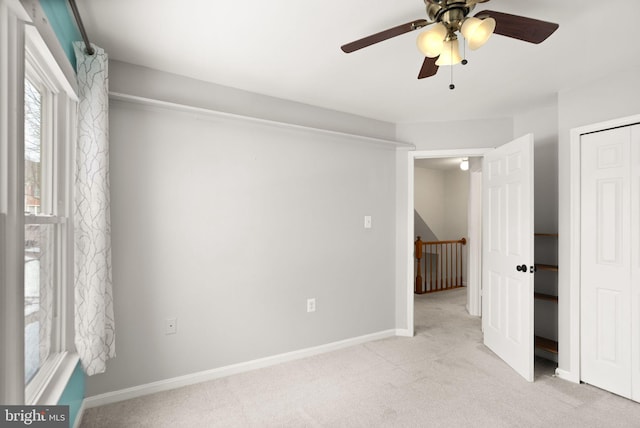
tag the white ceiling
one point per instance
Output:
(291, 49)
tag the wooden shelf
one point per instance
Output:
(543, 343)
(547, 267)
(546, 344)
(547, 297)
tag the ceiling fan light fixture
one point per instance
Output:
(430, 42)
(477, 31)
(450, 54)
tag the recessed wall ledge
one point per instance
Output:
(237, 117)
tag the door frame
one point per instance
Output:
(571, 294)
(411, 158)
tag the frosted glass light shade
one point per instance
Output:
(464, 164)
(430, 42)
(477, 31)
(450, 54)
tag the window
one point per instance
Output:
(48, 115)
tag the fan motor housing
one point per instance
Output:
(449, 12)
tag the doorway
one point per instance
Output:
(507, 225)
(473, 286)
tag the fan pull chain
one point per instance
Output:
(464, 52)
(451, 85)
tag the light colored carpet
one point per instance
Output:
(442, 377)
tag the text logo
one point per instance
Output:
(34, 416)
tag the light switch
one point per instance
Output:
(367, 222)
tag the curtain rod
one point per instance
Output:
(76, 14)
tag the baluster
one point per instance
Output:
(419, 289)
(430, 267)
(459, 246)
(440, 252)
(449, 259)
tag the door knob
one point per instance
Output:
(521, 268)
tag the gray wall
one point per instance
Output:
(542, 121)
(190, 191)
(230, 225)
(456, 190)
(145, 82)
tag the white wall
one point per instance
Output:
(440, 197)
(230, 225)
(145, 82)
(456, 199)
(542, 121)
(429, 198)
(463, 134)
(611, 97)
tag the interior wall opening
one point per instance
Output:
(447, 213)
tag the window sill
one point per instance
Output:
(51, 391)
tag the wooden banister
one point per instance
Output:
(441, 262)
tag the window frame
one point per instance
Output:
(59, 134)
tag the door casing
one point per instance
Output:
(412, 156)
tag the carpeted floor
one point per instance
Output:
(442, 377)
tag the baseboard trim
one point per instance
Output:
(207, 375)
(78, 421)
(404, 332)
(565, 375)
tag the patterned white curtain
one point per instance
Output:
(94, 322)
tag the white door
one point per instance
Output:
(507, 277)
(635, 263)
(609, 278)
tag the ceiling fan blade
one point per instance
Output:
(383, 35)
(429, 68)
(521, 28)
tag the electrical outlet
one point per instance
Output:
(311, 305)
(171, 326)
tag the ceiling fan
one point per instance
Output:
(449, 20)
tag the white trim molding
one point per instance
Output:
(572, 295)
(12, 22)
(220, 372)
(80, 414)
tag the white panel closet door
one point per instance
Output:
(606, 254)
(635, 262)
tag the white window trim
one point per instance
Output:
(48, 385)
(12, 17)
(17, 32)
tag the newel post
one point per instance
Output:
(419, 286)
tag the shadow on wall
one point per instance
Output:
(422, 229)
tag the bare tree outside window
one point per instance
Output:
(32, 148)
(39, 239)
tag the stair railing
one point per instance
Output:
(441, 262)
